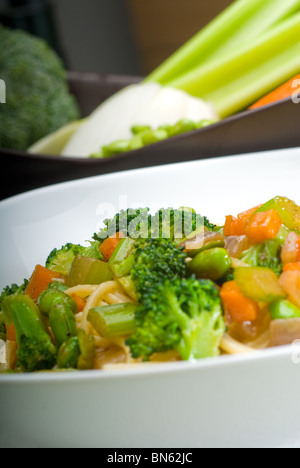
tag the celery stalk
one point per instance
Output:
(240, 23)
(234, 82)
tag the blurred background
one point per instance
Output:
(111, 36)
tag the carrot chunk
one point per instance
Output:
(236, 226)
(263, 226)
(39, 281)
(11, 333)
(108, 247)
(238, 308)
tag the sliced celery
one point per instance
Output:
(241, 23)
(113, 320)
(86, 270)
(235, 81)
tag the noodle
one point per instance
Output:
(231, 346)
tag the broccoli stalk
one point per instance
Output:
(185, 315)
(35, 348)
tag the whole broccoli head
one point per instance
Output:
(60, 260)
(38, 101)
(184, 314)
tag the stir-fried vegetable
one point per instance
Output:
(183, 289)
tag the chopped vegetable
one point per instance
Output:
(291, 249)
(237, 307)
(86, 270)
(290, 282)
(259, 284)
(284, 310)
(108, 246)
(39, 281)
(113, 320)
(287, 209)
(35, 348)
(263, 226)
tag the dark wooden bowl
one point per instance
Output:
(272, 127)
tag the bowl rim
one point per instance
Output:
(153, 369)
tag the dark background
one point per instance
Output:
(112, 36)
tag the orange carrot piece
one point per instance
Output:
(108, 247)
(283, 92)
(233, 227)
(263, 226)
(236, 226)
(11, 333)
(291, 267)
(238, 308)
(81, 303)
(39, 281)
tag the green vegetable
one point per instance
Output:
(14, 289)
(144, 135)
(60, 309)
(287, 209)
(183, 314)
(68, 354)
(62, 323)
(266, 255)
(122, 251)
(260, 284)
(35, 348)
(60, 260)
(165, 223)
(38, 98)
(113, 320)
(249, 72)
(156, 260)
(239, 24)
(284, 310)
(53, 297)
(87, 351)
(211, 264)
(86, 270)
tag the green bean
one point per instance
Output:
(68, 354)
(52, 297)
(63, 324)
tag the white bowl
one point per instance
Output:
(231, 401)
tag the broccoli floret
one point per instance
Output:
(123, 222)
(266, 255)
(156, 260)
(183, 314)
(9, 291)
(166, 223)
(38, 100)
(35, 348)
(60, 260)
